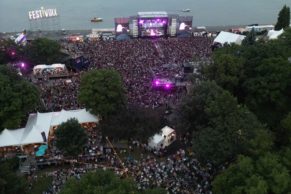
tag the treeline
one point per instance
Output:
(239, 116)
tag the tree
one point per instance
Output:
(283, 18)
(103, 182)
(133, 122)
(250, 39)
(101, 91)
(43, 51)
(283, 132)
(17, 98)
(264, 175)
(227, 71)
(268, 90)
(221, 127)
(71, 138)
(10, 182)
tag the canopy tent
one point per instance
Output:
(42, 67)
(41, 150)
(39, 124)
(165, 138)
(273, 34)
(229, 38)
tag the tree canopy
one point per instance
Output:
(71, 138)
(258, 76)
(10, 182)
(221, 127)
(283, 18)
(102, 93)
(103, 182)
(250, 39)
(133, 122)
(17, 98)
(264, 175)
(43, 51)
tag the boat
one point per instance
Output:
(95, 19)
(186, 10)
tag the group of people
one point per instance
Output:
(139, 62)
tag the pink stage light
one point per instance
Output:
(157, 82)
(22, 65)
(167, 86)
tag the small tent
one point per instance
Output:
(163, 139)
(273, 34)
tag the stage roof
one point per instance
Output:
(154, 14)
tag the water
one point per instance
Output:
(76, 14)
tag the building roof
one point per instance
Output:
(154, 14)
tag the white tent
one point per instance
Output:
(42, 122)
(273, 34)
(165, 138)
(81, 115)
(228, 37)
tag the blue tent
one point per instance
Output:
(41, 150)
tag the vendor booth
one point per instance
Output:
(49, 69)
(163, 139)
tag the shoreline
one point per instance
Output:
(57, 34)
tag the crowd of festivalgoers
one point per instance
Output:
(138, 61)
(178, 173)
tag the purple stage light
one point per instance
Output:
(167, 86)
(22, 65)
(157, 82)
(12, 53)
(141, 21)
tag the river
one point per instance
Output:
(76, 14)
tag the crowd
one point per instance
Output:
(58, 94)
(178, 173)
(138, 61)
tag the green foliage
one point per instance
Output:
(259, 76)
(17, 97)
(133, 123)
(283, 132)
(283, 18)
(41, 184)
(250, 38)
(10, 182)
(102, 92)
(221, 127)
(71, 137)
(43, 51)
(227, 72)
(103, 182)
(269, 90)
(267, 174)
(285, 39)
